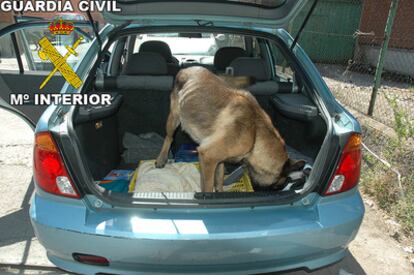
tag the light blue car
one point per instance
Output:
(89, 229)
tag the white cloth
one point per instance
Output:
(174, 177)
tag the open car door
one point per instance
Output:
(22, 70)
(256, 13)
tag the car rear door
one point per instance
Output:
(248, 13)
(22, 70)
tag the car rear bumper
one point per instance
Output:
(244, 241)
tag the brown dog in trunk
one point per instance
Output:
(229, 126)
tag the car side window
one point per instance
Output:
(8, 58)
(282, 68)
(27, 51)
(255, 48)
(28, 43)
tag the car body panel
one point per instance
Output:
(242, 240)
(231, 12)
(260, 267)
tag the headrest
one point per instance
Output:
(146, 64)
(226, 55)
(157, 47)
(251, 66)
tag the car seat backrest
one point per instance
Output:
(146, 63)
(251, 66)
(224, 56)
(257, 69)
(144, 71)
(164, 50)
(159, 47)
(146, 88)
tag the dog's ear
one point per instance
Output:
(292, 165)
(296, 165)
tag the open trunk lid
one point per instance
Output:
(258, 13)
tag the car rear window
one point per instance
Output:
(198, 47)
(206, 44)
(260, 3)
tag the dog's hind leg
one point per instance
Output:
(214, 150)
(172, 123)
(208, 164)
(212, 155)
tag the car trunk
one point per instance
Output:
(101, 131)
(143, 113)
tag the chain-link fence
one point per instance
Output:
(351, 33)
(349, 40)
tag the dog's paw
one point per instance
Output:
(159, 163)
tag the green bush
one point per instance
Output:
(404, 209)
(381, 183)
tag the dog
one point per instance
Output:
(230, 126)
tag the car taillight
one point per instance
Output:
(348, 170)
(49, 170)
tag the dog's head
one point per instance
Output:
(271, 181)
(289, 167)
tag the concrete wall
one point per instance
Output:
(397, 60)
